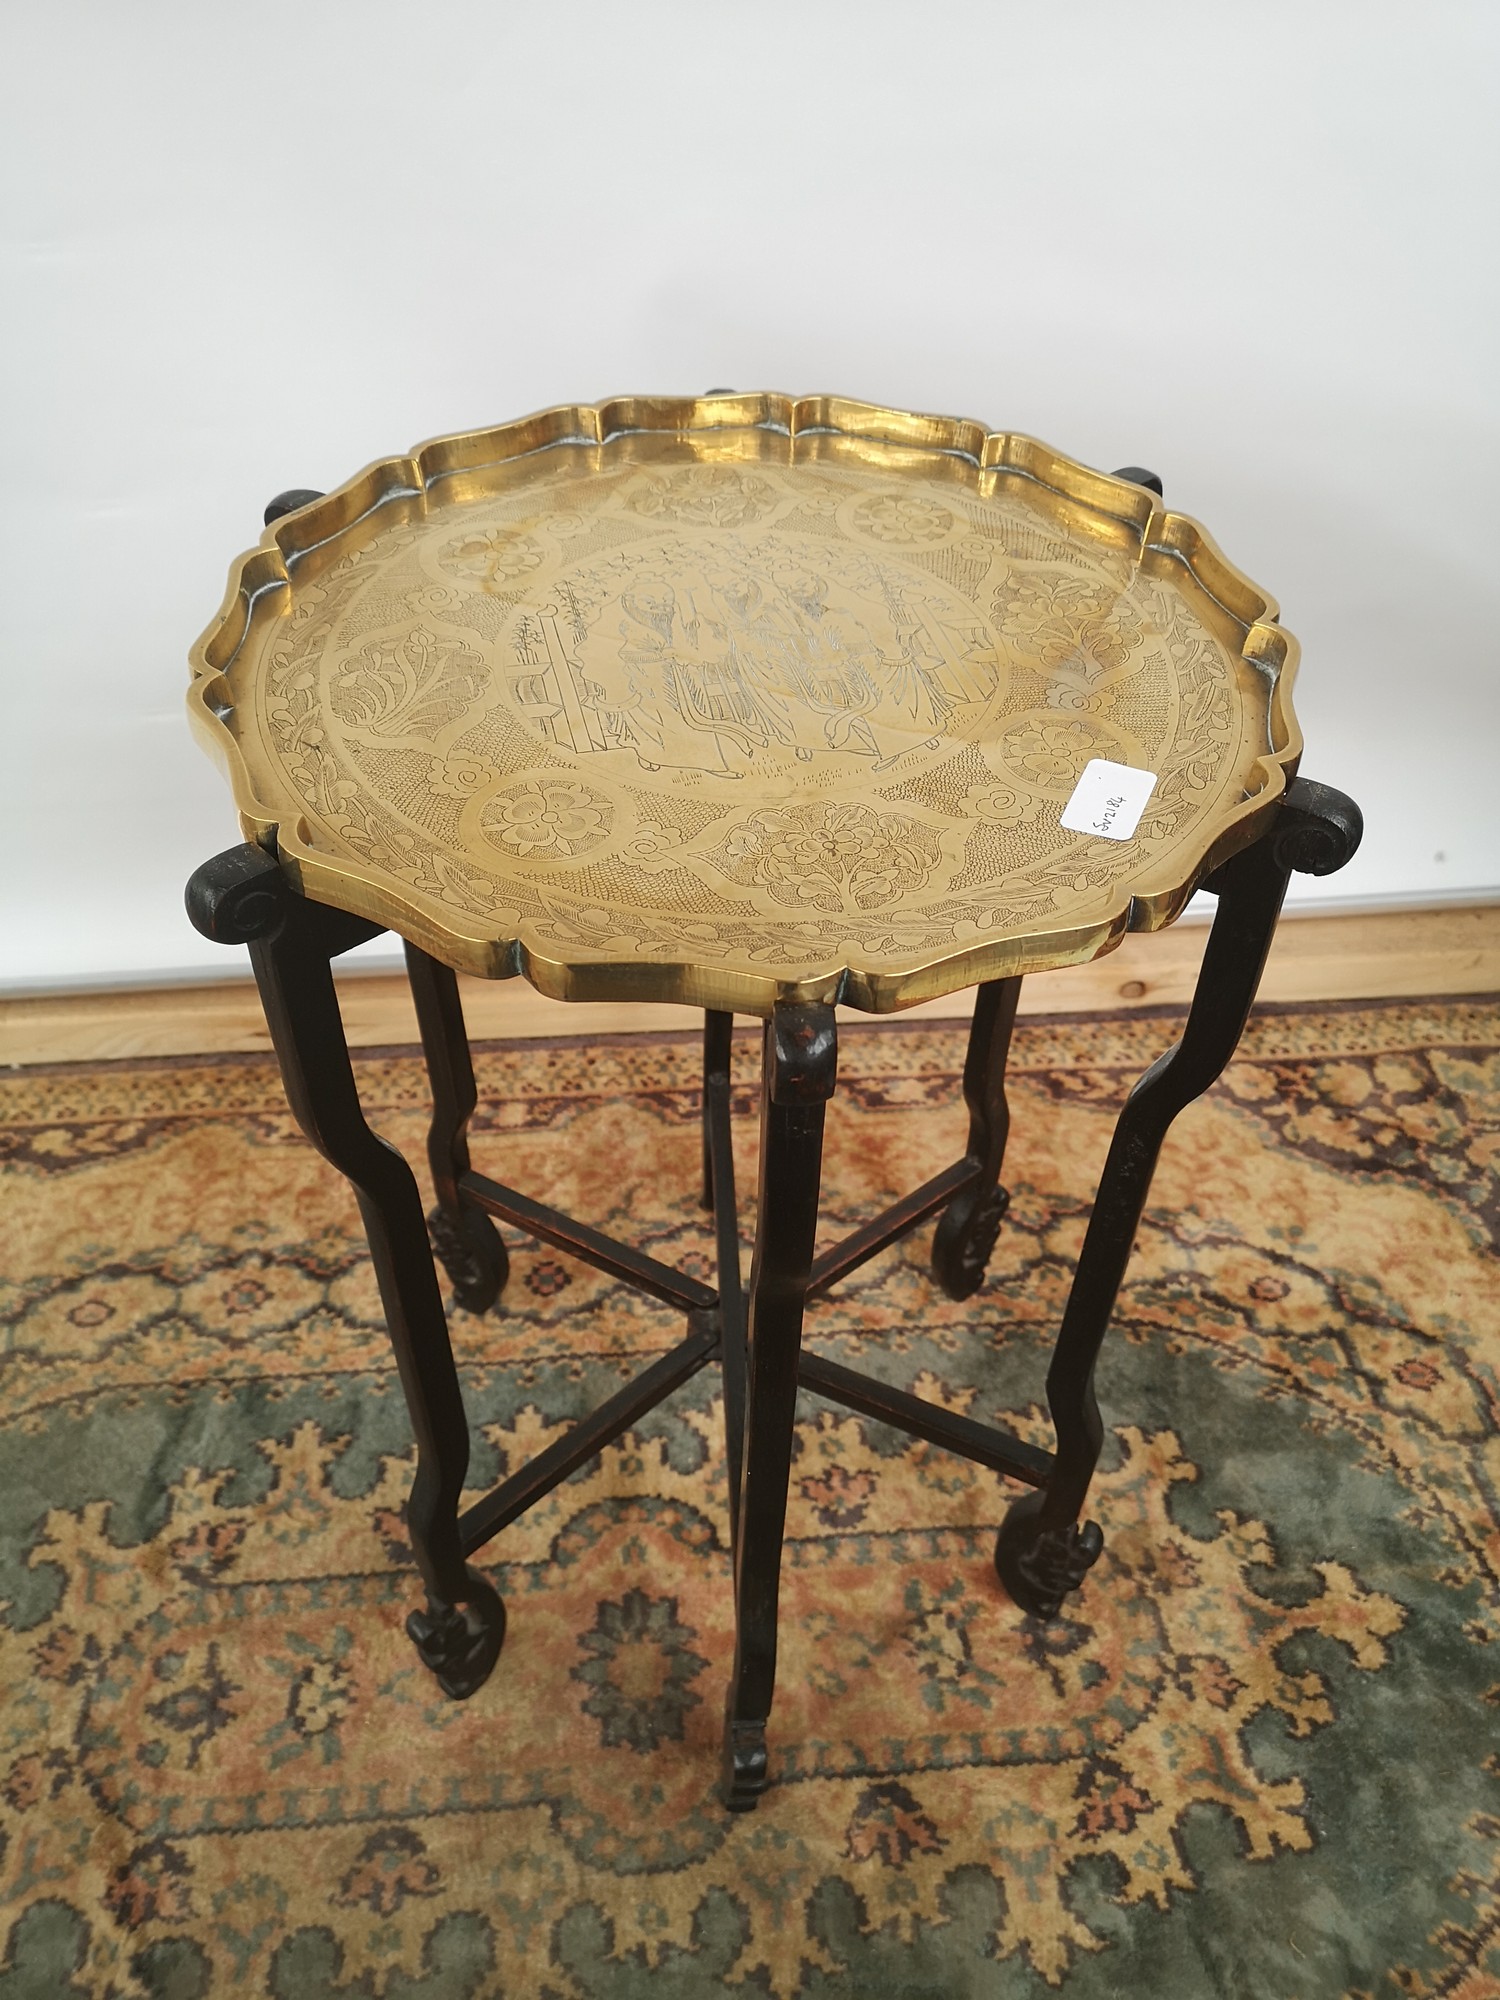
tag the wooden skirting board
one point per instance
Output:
(1391, 954)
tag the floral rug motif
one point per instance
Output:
(1256, 1757)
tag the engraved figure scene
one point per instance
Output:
(727, 654)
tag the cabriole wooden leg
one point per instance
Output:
(464, 1237)
(242, 897)
(1043, 1553)
(965, 1236)
(801, 1056)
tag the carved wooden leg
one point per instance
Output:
(469, 1244)
(1042, 1552)
(965, 1236)
(718, 1030)
(718, 1174)
(801, 1058)
(242, 897)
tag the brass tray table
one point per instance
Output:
(763, 705)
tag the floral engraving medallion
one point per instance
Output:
(549, 819)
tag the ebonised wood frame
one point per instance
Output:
(1045, 1546)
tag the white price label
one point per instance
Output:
(1108, 799)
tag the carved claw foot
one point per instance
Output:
(745, 1775)
(964, 1240)
(472, 1254)
(1040, 1566)
(460, 1643)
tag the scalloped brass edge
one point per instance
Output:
(1147, 904)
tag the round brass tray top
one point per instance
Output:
(741, 698)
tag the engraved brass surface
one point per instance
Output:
(741, 698)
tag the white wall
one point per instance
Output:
(244, 248)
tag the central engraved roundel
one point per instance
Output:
(729, 652)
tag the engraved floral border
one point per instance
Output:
(260, 581)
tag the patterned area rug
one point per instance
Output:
(1258, 1758)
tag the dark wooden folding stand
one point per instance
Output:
(1045, 1545)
